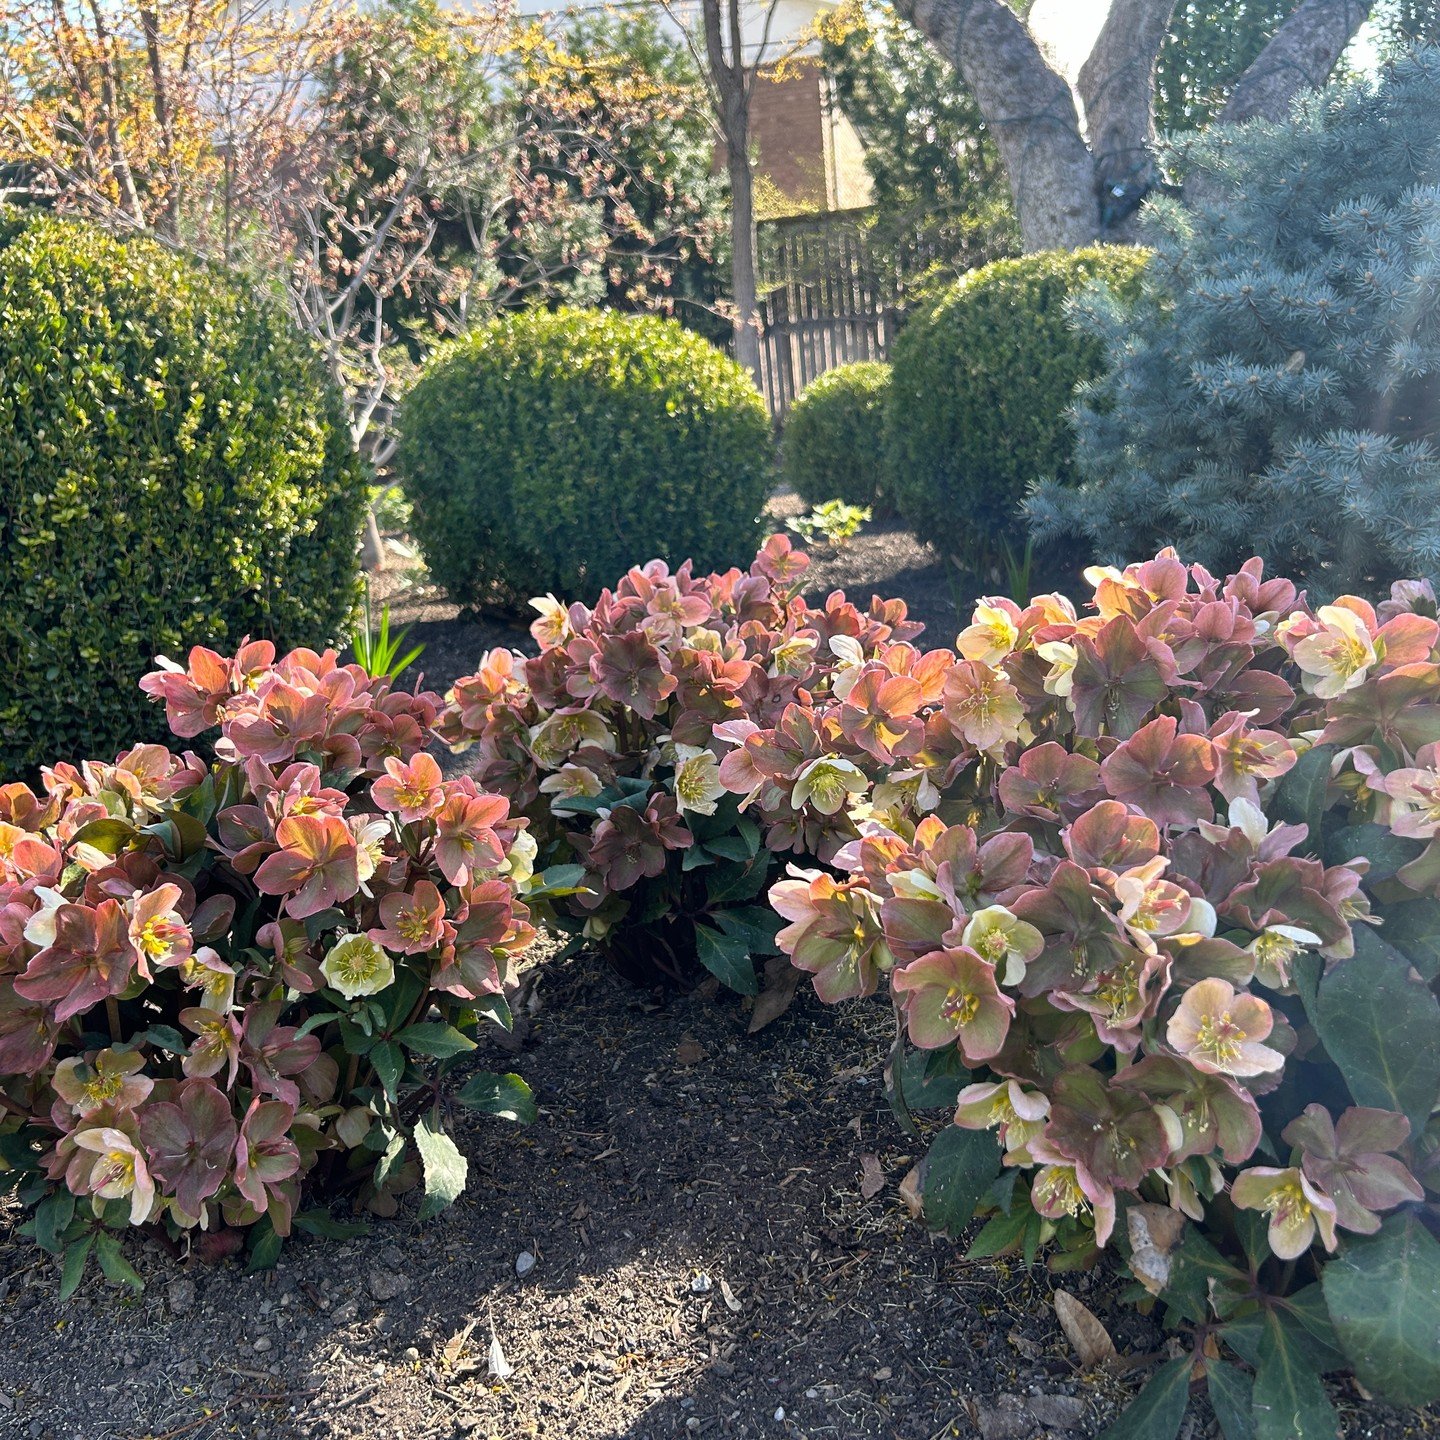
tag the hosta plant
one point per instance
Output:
(619, 739)
(1154, 891)
(229, 986)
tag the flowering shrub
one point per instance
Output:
(1155, 894)
(224, 985)
(619, 740)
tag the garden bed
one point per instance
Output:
(674, 1157)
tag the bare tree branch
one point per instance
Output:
(1300, 56)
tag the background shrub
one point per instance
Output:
(173, 471)
(1274, 389)
(834, 443)
(551, 451)
(983, 378)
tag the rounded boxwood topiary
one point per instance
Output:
(174, 470)
(982, 382)
(553, 450)
(834, 442)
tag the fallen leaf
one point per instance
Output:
(782, 979)
(872, 1177)
(689, 1052)
(910, 1192)
(1087, 1336)
(728, 1296)
(1155, 1231)
(500, 1367)
(455, 1345)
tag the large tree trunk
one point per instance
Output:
(1301, 54)
(1030, 109)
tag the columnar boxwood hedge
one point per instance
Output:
(173, 470)
(544, 451)
(834, 445)
(982, 382)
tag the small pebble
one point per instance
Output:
(779, 1413)
(700, 1285)
(262, 1345)
(412, 1353)
(524, 1263)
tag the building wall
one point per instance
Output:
(787, 123)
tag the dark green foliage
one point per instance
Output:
(174, 470)
(1209, 45)
(834, 443)
(552, 451)
(982, 381)
(1274, 387)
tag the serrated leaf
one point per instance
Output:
(389, 1062)
(1288, 1401)
(52, 1216)
(1382, 1029)
(728, 958)
(1231, 1391)
(321, 1222)
(1413, 929)
(1385, 850)
(1157, 1411)
(933, 1078)
(118, 1270)
(435, 1039)
(757, 925)
(445, 1167)
(72, 1269)
(998, 1234)
(507, 1097)
(727, 884)
(1299, 798)
(1383, 1294)
(958, 1171)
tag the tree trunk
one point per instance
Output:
(742, 263)
(1301, 54)
(1031, 111)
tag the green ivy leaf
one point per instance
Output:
(958, 1170)
(728, 958)
(1158, 1410)
(1231, 1398)
(1288, 1402)
(506, 1097)
(445, 1167)
(435, 1039)
(1383, 1293)
(1382, 1029)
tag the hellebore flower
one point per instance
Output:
(697, 780)
(1064, 1187)
(119, 1170)
(266, 1156)
(1348, 1160)
(834, 933)
(1219, 1032)
(410, 924)
(1335, 650)
(413, 792)
(1061, 657)
(1163, 774)
(1019, 1114)
(1295, 1207)
(952, 995)
(556, 738)
(465, 839)
(982, 706)
(110, 1077)
(357, 966)
(1007, 943)
(827, 783)
(316, 865)
(1274, 948)
(159, 935)
(992, 633)
(92, 958)
(190, 1142)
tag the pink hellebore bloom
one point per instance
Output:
(414, 791)
(91, 959)
(952, 995)
(1063, 1187)
(412, 924)
(982, 706)
(316, 866)
(1349, 1161)
(1297, 1209)
(465, 838)
(834, 933)
(1219, 1032)
(160, 937)
(1019, 1114)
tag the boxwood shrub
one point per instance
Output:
(174, 471)
(834, 442)
(552, 450)
(979, 398)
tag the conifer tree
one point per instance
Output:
(1275, 389)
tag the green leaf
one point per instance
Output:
(933, 1078)
(556, 880)
(52, 1216)
(1299, 798)
(507, 1097)
(728, 957)
(958, 1170)
(1414, 930)
(109, 836)
(497, 1008)
(321, 1222)
(999, 1233)
(728, 883)
(1158, 1410)
(1289, 1402)
(1383, 1293)
(165, 1037)
(264, 1248)
(445, 1167)
(1382, 1029)
(729, 847)
(757, 925)
(1307, 1318)
(434, 1038)
(389, 1062)
(1385, 850)
(118, 1270)
(72, 1271)
(1231, 1391)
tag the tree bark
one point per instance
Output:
(743, 245)
(1031, 110)
(1117, 89)
(1301, 54)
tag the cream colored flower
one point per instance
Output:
(1060, 679)
(827, 784)
(1335, 653)
(357, 966)
(991, 635)
(697, 780)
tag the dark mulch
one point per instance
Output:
(705, 1264)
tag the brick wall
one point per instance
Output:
(788, 125)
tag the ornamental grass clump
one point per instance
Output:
(229, 987)
(1154, 892)
(618, 742)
